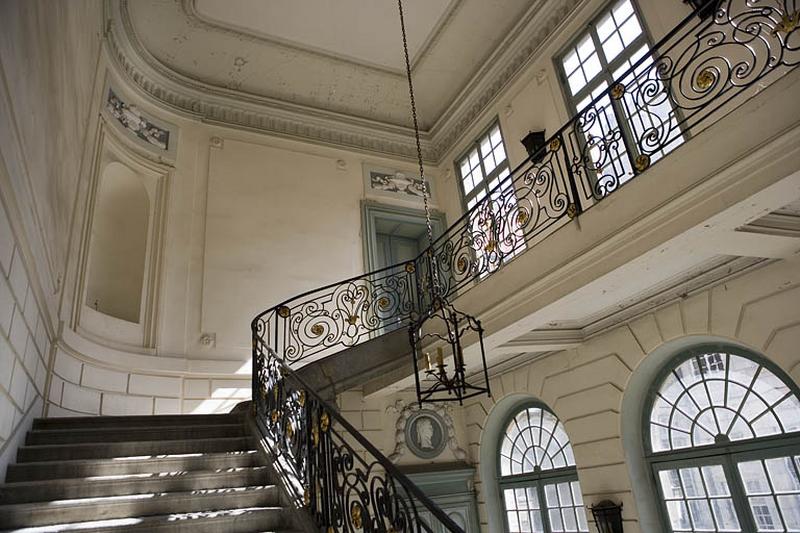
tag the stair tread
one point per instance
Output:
(121, 478)
(102, 434)
(139, 460)
(129, 442)
(103, 429)
(152, 521)
(74, 421)
(65, 469)
(53, 505)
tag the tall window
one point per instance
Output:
(483, 168)
(601, 55)
(538, 478)
(724, 443)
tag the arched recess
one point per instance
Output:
(118, 245)
(118, 281)
(641, 395)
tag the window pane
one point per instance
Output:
(591, 67)
(622, 11)
(678, 516)
(765, 514)
(701, 515)
(783, 475)
(754, 478)
(585, 48)
(605, 27)
(630, 31)
(571, 62)
(612, 47)
(714, 478)
(725, 515)
(790, 508)
(497, 139)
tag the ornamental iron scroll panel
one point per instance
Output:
(327, 466)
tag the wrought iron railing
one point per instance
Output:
(331, 469)
(696, 74)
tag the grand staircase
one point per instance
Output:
(202, 473)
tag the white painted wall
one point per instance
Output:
(48, 59)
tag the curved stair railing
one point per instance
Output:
(696, 74)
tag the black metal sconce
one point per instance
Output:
(533, 142)
(704, 8)
(608, 516)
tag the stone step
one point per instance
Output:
(100, 450)
(47, 470)
(117, 434)
(94, 487)
(225, 521)
(80, 422)
(138, 505)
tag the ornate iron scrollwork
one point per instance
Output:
(341, 479)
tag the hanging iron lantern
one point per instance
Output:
(608, 517)
(441, 326)
(443, 378)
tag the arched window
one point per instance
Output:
(538, 479)
(723, 442)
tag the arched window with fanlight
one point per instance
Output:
(538, 479)
(723, 442)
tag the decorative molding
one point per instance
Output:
(406, 411)
(776, 223)
(208, 340)
(202, 101)
(520, 47)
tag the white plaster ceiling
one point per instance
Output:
(343, 56)
(362, 31)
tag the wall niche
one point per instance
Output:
(118, 244)
(117, 300)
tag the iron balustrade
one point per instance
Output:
(696, 74)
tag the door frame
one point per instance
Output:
(372, 211)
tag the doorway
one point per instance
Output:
(394, 235)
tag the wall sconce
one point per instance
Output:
(533, 142)
(704, 8)
(608, 516)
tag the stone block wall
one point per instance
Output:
(81, 388)
(24, 346)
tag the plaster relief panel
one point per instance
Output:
(424, 433)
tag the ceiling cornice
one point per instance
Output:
(213, 104)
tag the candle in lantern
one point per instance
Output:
(428, 357)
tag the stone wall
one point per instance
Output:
(586, 386)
